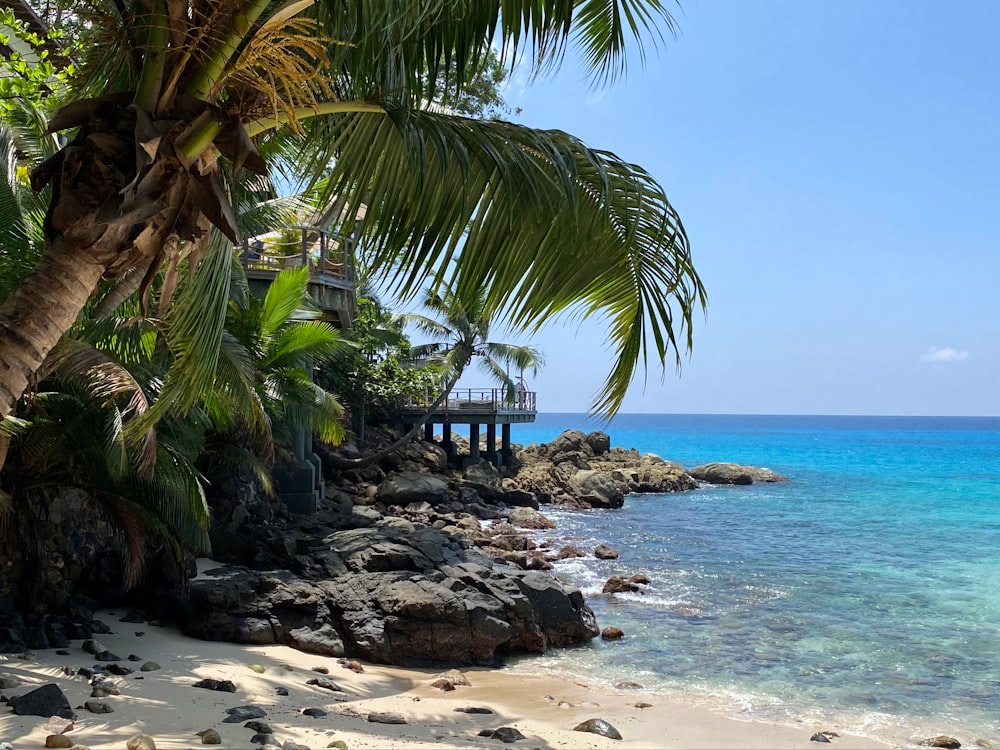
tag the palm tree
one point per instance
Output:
(172, 90)
(464, 330)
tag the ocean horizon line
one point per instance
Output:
(809, 415)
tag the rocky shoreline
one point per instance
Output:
(416, 563)
(408, 562)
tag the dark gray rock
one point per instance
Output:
(261, 727)
(47, 700)
(407, 487)
(473, 710)
(942, 740)
(224, 686)
(98, 707)
(316, 713)
(598, 726)
(326, 683)
(504, 734)
(241, 714)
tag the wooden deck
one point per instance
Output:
(476, 406)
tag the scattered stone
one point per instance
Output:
(239, 714)
(98, 707)
(598, 726)
(62, 652)
(92, 646)
(140, 633)
(642, 704)
(58, 740)
(321, 670)
(257, 668)
(942, 740)
(289, 745)
(619, 585)
(612, 634)
(352, 664)
(141, 742)
(628, 685)
(281, 691)
(316, 713)
(58, 725)
(529, 518)
(261, 727)
(210, 737)
(104, 690)
(225, 686)
(819, 736)
(339, 744)
(288, 667)
(149, 666)
(134, 657)
(262, 739)
(7, 682)
(386, 717)
(106, 655)
(119, 670)
(326, 683)
(455, 677)
(133, 617)
(47, 700)
(604, 552)
(6, 746)
(443, 684)
(984, 743)
(569, 550)
(504, 734)
(473, 710)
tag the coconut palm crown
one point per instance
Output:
(174, 96)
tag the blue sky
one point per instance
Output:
(838, 171)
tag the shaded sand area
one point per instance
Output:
(164, 703)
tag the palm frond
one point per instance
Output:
(542, 222)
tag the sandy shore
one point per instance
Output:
(165, 705)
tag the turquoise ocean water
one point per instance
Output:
(865, 593)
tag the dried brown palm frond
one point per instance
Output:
(282, 68)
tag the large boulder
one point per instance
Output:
(727, 473)
(595, 489)
(407, 487)
(410, 594)
(569, 441)
(528, 518)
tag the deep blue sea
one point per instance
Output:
(864, 593)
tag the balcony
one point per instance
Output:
(329, 257)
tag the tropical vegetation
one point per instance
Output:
(134, 364)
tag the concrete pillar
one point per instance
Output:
(474, 442)
(449, 447)
(429, 432)
(506, 452)
(491, 445)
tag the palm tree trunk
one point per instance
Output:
(36, 315)
(340, 462)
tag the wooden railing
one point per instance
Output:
(324, 253)
(481, 399)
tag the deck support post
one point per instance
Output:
(506, 452)
(474, 443)
(491, 445)
(429, 432)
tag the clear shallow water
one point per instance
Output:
(865, 592)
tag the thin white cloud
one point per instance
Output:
(943, 354)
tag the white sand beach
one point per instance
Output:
(164, 704)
